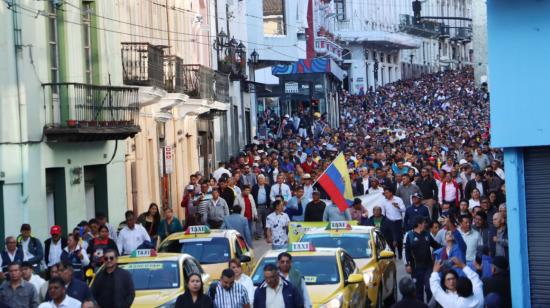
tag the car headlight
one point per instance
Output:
(170, 304)
(335, 302)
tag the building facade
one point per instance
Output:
(519, 30)
(384, 42)
(64, 116)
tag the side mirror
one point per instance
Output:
(355, 278)
(386, 254)
(245, 259)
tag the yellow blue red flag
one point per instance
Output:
(337, 183)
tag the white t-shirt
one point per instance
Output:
(246, 282)
(68, 302)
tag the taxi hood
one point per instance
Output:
(320, 294)
(154, 298)
(214, 270)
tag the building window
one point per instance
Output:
(274, 17)
(340, 9)
(53, 44)
(87, 41)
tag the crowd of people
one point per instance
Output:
(421, 145)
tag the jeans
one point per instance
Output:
(421, 277)
(263, 211)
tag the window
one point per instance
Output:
(274, 17)
(53, 44)
(87, 40)
(348, 265)
(340, 9)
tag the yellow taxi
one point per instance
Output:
(212, 248)
(160, 278)
(370, 251)
(331, 276)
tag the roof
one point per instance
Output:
(384, 38)
(213, 233)
(161, 256)
(318, 252)
(354, 229)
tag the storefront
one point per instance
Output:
(310, 85)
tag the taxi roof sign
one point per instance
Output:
(143, 253)
(300, 246)
(338, 225)
(201, 229)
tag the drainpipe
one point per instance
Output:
(22, 112)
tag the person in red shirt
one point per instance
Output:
(248, 206)
(309, 165)
(187, 202)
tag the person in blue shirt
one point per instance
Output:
(296, 206)
(417, 209)
(169, 224)
(236, 221)
(74, 288)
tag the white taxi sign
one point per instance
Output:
(143, 253)
(202, 229)
(338, 225)
(300, 246)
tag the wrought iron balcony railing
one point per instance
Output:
(423, 28)
(83, 112)
(202, 82)
(142, 64)
(173, 74)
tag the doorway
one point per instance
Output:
(95, 186)
(56, 198)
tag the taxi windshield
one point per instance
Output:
(316, 270)
(153, 275)
(207, 250)
(356, 244)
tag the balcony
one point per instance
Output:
(173, 74)
(426, 29)
(204, 83)
(462, 35)
(324, 46)
(78, 112)
(142, 64)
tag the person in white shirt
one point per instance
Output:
(394, 209)
(56, 291)
(29, 276)
(469, 289)
(374, 187)
(131, 236)
(217, 174)
(243, 279)
(280, 188)
(365, 180)
(471, 238)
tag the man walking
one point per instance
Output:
(417, 209)
(471, 238)
(261, 192)
(16, 292)
(277, 227)
(407, 190)
(394, 208)
(228, 294)
(292, 275)
(236, 221)
(113, 286)
(215, 211)
(275, 291)
(315, 209)
(131, 236)
(418, 256)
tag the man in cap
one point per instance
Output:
(188, 204)
(32, 247)
(417, 209)
(407, 189)
(53, 247)
(308, 186)
(408, 291)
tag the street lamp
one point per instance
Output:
(254, 57)
(221, 40)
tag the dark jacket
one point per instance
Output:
(228, 194)
(47, 244)
(409, 302)
(35, 248)
(357, 187)
(6, 258)
(499, 284)
(78, 270)
(384, 227)
(186, 301)
(124, 288)
(255, 189)
(412, 212)
(428, 188)
(291, 296)
(471, 185)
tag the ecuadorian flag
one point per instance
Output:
(337, 184)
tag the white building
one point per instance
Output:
(383, 43)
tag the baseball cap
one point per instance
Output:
(55, 230)
(463, 162)
(417, 195)
(306, 176)
(190, 187)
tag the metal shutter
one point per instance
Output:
(537, 195)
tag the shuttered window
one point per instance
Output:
(537, 195)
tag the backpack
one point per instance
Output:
(212, 289)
